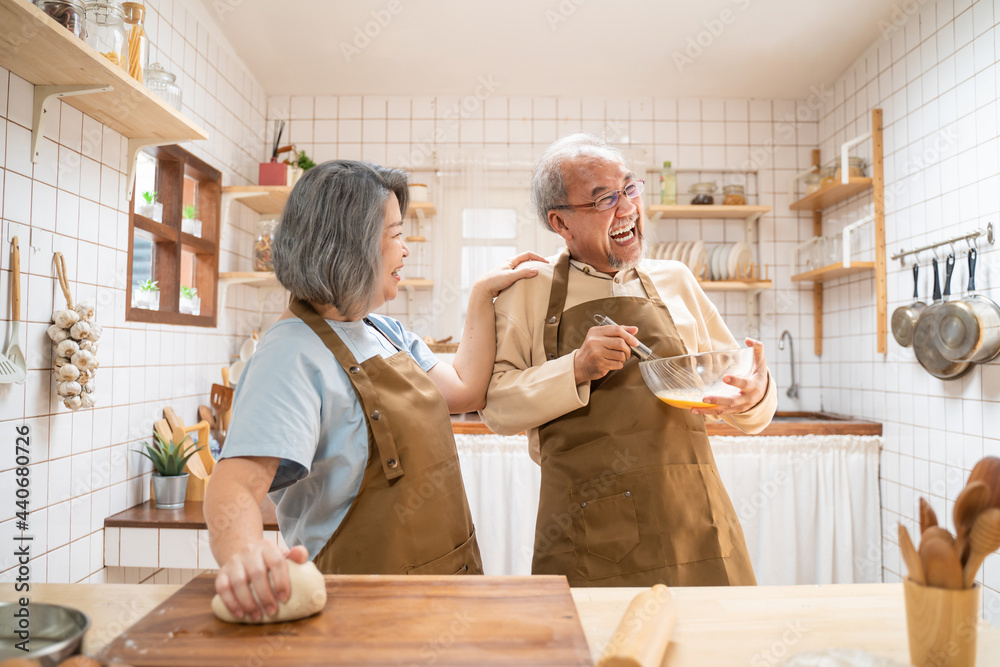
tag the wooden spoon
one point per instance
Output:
(928, 518)
(988, 472)
(914, 567)
(984, 539)
(938, 533)
(941, 565)
(970, 502)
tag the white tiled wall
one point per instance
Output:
(82, 467)
(936, 79)
(430, 135)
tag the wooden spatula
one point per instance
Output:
(914, 567)
(222, 399)
(162, 429)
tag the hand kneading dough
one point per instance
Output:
(308, 597)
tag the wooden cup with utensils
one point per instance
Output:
(942, 600)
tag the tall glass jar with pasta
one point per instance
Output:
(138, 42)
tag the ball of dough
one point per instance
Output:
(308, 597)
(19, 662)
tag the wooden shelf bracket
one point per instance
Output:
(43, 97)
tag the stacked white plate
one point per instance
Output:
(729, 261)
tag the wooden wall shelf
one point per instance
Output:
(60, 65)
(834, 194)
(832, 271)
(421, 209)
(662, 212)
(735, 285)
(831, 194)
(263, 199)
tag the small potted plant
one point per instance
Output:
(146, 295)
(169, 478)
(191, 224)
(299, 164)
(190, 301)
(152, 209)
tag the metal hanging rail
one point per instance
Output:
(970, 237)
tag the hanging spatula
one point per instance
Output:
(12, 366)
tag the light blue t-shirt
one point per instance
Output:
(294, 402)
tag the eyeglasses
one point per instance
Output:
(609, 200)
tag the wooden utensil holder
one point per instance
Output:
(942, 625)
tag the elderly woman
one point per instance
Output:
(342, 414)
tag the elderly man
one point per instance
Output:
(630, 495)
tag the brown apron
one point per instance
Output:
(411, 515)
(630, 495)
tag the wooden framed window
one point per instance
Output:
(166, 245)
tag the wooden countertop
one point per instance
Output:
(191, 515)
(784, 423)
(721, 626)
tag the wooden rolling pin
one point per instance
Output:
(641, 638)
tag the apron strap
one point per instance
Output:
(361, 382)
(557, 302)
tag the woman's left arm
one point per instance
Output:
(463, 382)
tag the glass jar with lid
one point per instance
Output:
(160, 82)
(813, 182)
(701, 193)
(827, 175)
(138, 43)
(106, 31)
(70, 14)
(262, 246)
(733, 195)
(855, 168)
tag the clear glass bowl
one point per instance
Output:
(685, 381)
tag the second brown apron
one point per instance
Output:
(411, 515)
(630, 495)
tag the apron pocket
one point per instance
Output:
(692, 510)
(610, 526)
(462, 560)
(614, 528)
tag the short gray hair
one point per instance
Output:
(548, 187)
(327, 248)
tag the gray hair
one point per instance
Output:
(327, 248)
(548, 187)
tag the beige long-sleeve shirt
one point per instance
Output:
(528, 390)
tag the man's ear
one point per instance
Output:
(558, 224)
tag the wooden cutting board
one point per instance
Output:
(372, 620)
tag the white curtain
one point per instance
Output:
(809, 505)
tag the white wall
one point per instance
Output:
(82, 470)
(936, 79)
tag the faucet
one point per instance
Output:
(793, 391)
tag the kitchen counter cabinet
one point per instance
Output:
(761, 625)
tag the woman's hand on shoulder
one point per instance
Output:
(260, 568)
(508, 273)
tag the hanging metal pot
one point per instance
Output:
(924, 346)
(969, 330)
(904, 318)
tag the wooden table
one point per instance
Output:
(715, 626)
